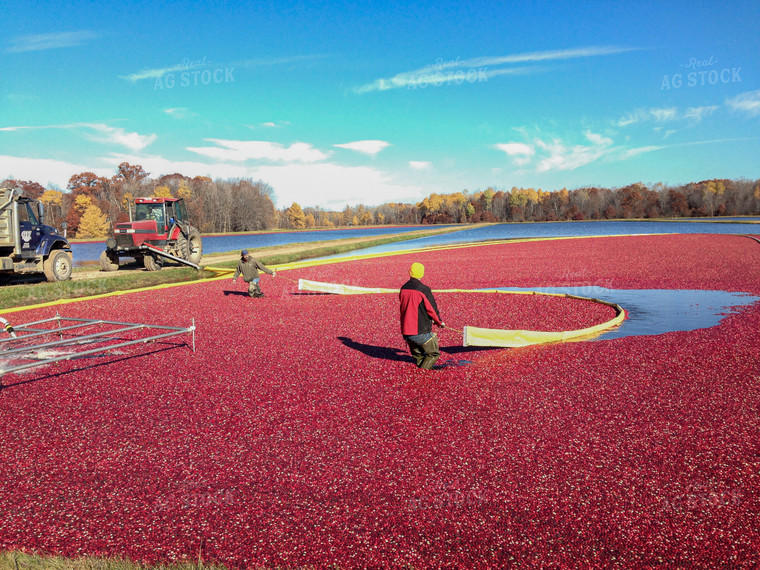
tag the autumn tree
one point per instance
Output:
(129, 182)
(162, 192)
(522, 202)
(487, 199)
(346, 216)
(558, 203)
(295, 215)
(93, 223)
(129, 175)
(28, 188)
(52, 200)
(76, 210)
(712, 194)
(89, 185)
(632, 200)
(184, 191)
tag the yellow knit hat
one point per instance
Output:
(417, 270)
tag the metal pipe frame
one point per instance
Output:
(161, 252)
(98, 337)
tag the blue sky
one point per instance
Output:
(372, 102)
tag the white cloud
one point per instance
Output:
(520, 152)
(557, 156)
(40, 42)
(550, 55)
(371, 147)
(116, 135)
(99, 132)
(269, 125)
(748, 103)
(45, 171)
(632, 152)
(180, 112)
(516, 148)
(643, 115)
(33, 127)
(632, 118)
(239, 151)
(697, 113)
(420, 164)
(478, 69)
(328, 185)
(598, 140)
(334, 185)
(664, 114)
(152, 73)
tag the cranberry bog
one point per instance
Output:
(299, 433)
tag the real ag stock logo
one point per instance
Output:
(188, 73)
(700, 73)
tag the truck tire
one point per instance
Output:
(109, 261)
(57, 266)
(153, 262)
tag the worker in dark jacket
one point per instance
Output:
(418, 313)
(249, 268)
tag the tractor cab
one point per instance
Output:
(159, 229)
(166, 213)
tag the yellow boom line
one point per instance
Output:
(477, 336)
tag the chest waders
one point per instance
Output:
(426, 354)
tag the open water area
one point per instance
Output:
(658, 311)
(564, 229)
(89, 252)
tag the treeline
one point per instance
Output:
(698, 199)
(92, 204)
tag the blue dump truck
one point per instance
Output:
(27, 245)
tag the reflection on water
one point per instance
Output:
(658, 311)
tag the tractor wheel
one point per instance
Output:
(194, 248)
(153, 262)
(182, 247)
(109, 261)
(57, 266)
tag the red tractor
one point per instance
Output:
(158, 231)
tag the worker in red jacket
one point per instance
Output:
(418, 313)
